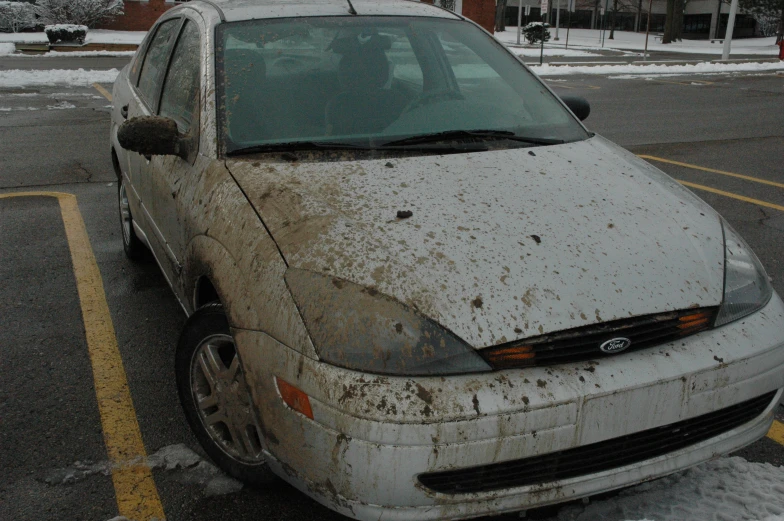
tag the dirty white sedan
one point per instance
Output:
(417, 287)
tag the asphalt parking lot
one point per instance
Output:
(82, 385)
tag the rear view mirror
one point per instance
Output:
(152, 136)
(579, 106)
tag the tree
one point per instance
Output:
(768, 13)
(16, 16)
(77, 12)
(677, 22)
(500, 16)
(668, 22)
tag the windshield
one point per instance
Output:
(374, 82)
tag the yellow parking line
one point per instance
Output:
(731, 195)
(134, 486)
(713, 171)
(776, 432)
(105, 93)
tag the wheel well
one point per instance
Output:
(116, 165)
(205, 293)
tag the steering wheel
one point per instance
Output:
(429, 97)
(289, 64)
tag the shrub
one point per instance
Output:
(66, 33)
(77, 12)
(535, 31)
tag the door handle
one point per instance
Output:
(124, 112)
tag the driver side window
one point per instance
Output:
(180, 97)
(155, 62)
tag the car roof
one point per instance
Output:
(237, 10)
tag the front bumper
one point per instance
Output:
(371, 436)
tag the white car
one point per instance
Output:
(417, 287)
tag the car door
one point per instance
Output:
(166, 175)
(143, 101)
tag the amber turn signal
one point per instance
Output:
(517, 356)
(689, 324)
(294, 398)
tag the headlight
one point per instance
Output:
(359, 328)
(746, 285)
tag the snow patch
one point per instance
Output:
(185, 465)
(197, 470)
(63, 105)
(79, 471)
(78, 77)
(697, 68)
(7, 48)
(726, 489)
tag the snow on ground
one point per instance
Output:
(726, 489)
(7, 48)
(185, 465)
(37, 78)
(123, 37)
(697, 68)
(624, 40)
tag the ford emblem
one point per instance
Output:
(616, 345)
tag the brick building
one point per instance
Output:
(141, 14)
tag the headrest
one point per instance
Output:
(364, 63)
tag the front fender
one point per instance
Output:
(254, 297)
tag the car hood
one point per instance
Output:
(501, 245)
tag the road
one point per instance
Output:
(52, 445)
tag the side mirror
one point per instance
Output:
(152, 136)
(579, 106)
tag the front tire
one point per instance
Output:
(216, 399)
(132, 246)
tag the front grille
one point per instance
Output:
(582, 343)
(595, 457)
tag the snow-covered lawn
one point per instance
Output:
(587, 39)
(93, 36)
(697, 68)
(38, 78)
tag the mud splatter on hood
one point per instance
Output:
(500, 245)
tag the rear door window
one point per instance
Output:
(155, 62)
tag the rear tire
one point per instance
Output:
(132, 246)
(216, 399)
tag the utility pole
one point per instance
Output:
(647, 31)
(557, 18)
(519, 19)
(725, 53)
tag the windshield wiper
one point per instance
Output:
(296, 145)
(328, 145)
(471, 134)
